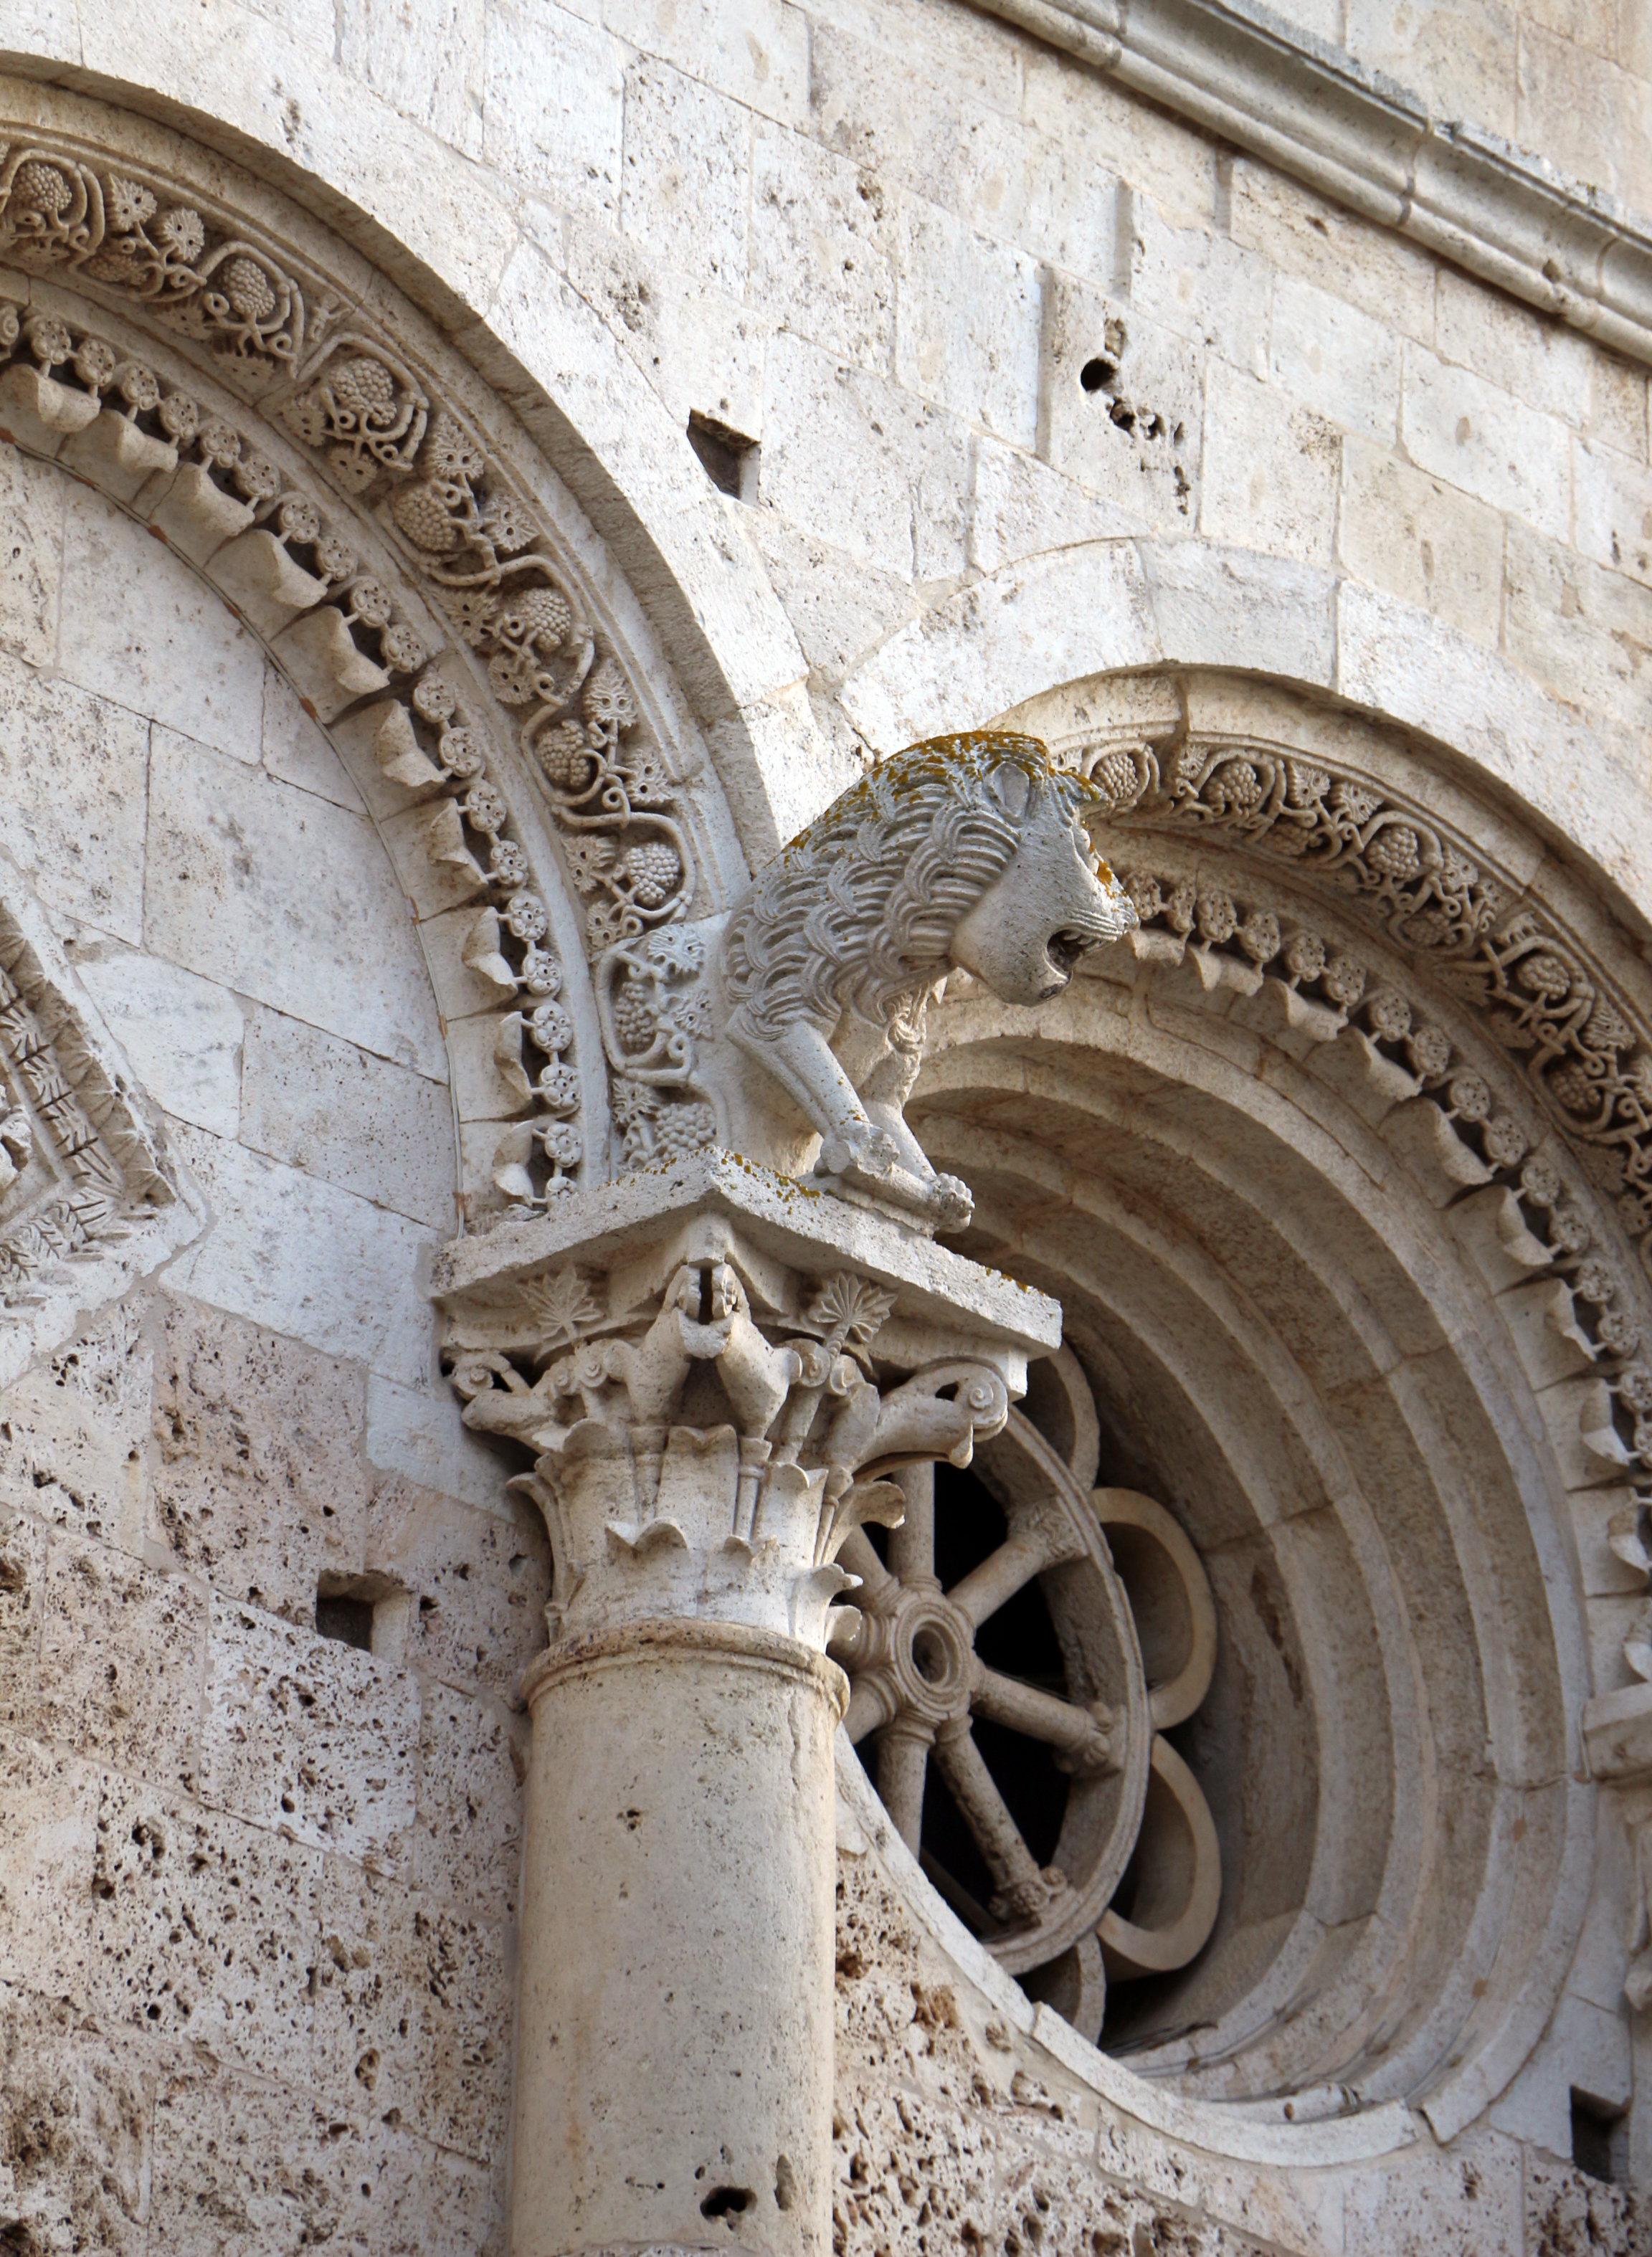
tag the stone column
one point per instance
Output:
(713, 1368)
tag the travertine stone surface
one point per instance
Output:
(1045, 382)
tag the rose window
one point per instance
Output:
(1025, 1645)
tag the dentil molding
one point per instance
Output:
(1363, 141)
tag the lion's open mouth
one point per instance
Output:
(1065, 948)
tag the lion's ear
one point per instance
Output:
(1012, 784)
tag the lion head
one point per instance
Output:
(910, 873)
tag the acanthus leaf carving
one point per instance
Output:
(690, 1455)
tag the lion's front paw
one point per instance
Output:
(861, 1147)
(953, 1203)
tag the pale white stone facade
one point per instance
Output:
(1040, 401)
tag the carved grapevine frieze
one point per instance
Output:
(475, 542)
(1549, 1009)
(133, 236)
(1577, 1042)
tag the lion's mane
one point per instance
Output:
(857, 914)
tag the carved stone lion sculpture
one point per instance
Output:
(792, 1027)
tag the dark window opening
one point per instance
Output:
(1018, 1640)
(349, 1620)
(728, 458)
(1600, 2138)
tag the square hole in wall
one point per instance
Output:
(728, 458)
(348, 1620)
(1599, 2137)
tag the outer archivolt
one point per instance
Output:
(472, 540)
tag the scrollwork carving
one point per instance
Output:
(473, 541)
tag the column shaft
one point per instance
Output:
(674, 2071)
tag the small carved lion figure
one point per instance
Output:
(804, 1030)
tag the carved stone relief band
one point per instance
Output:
(408, 467)
(1226, 835)
(474, 558)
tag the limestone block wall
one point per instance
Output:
(257, 1883)
(885, 240)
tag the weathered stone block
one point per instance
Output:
(1537, 358)
(840, 607)
(1334, 358)
(352, 1119)
(203, 1927)
(822, 244)
(307, 1734)
(1104, 124)
(1460, 61)
(428, 64)
(1421, 539)
(307, 1259)
(75, 1429)
(167, 648)
(296, 751)
(246, 2168)
(757, 51)
(48, 1839)
(477, 1584)
(466, 1842)
(1124, 405)
(31, 556)
(412, 2011)
(123, 1654)
(21, 1609)
(74, 2120)
(1270, 469)
(1585, 632)
(1487, 443)
(700, 350)
(259, 1482)
(1613, 501)
(1019, 505)
(73, 770)
(861, 464)
(286, 898)
(181, 1031)
(687, 178)
(966, 332)
(552, 103)
(1202, 286)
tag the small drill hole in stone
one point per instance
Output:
(727, 2202)
(1096, 373)
(929, 1654)
(348, 1621)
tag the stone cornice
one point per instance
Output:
(1365, 141)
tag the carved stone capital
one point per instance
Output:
(714, 1371)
